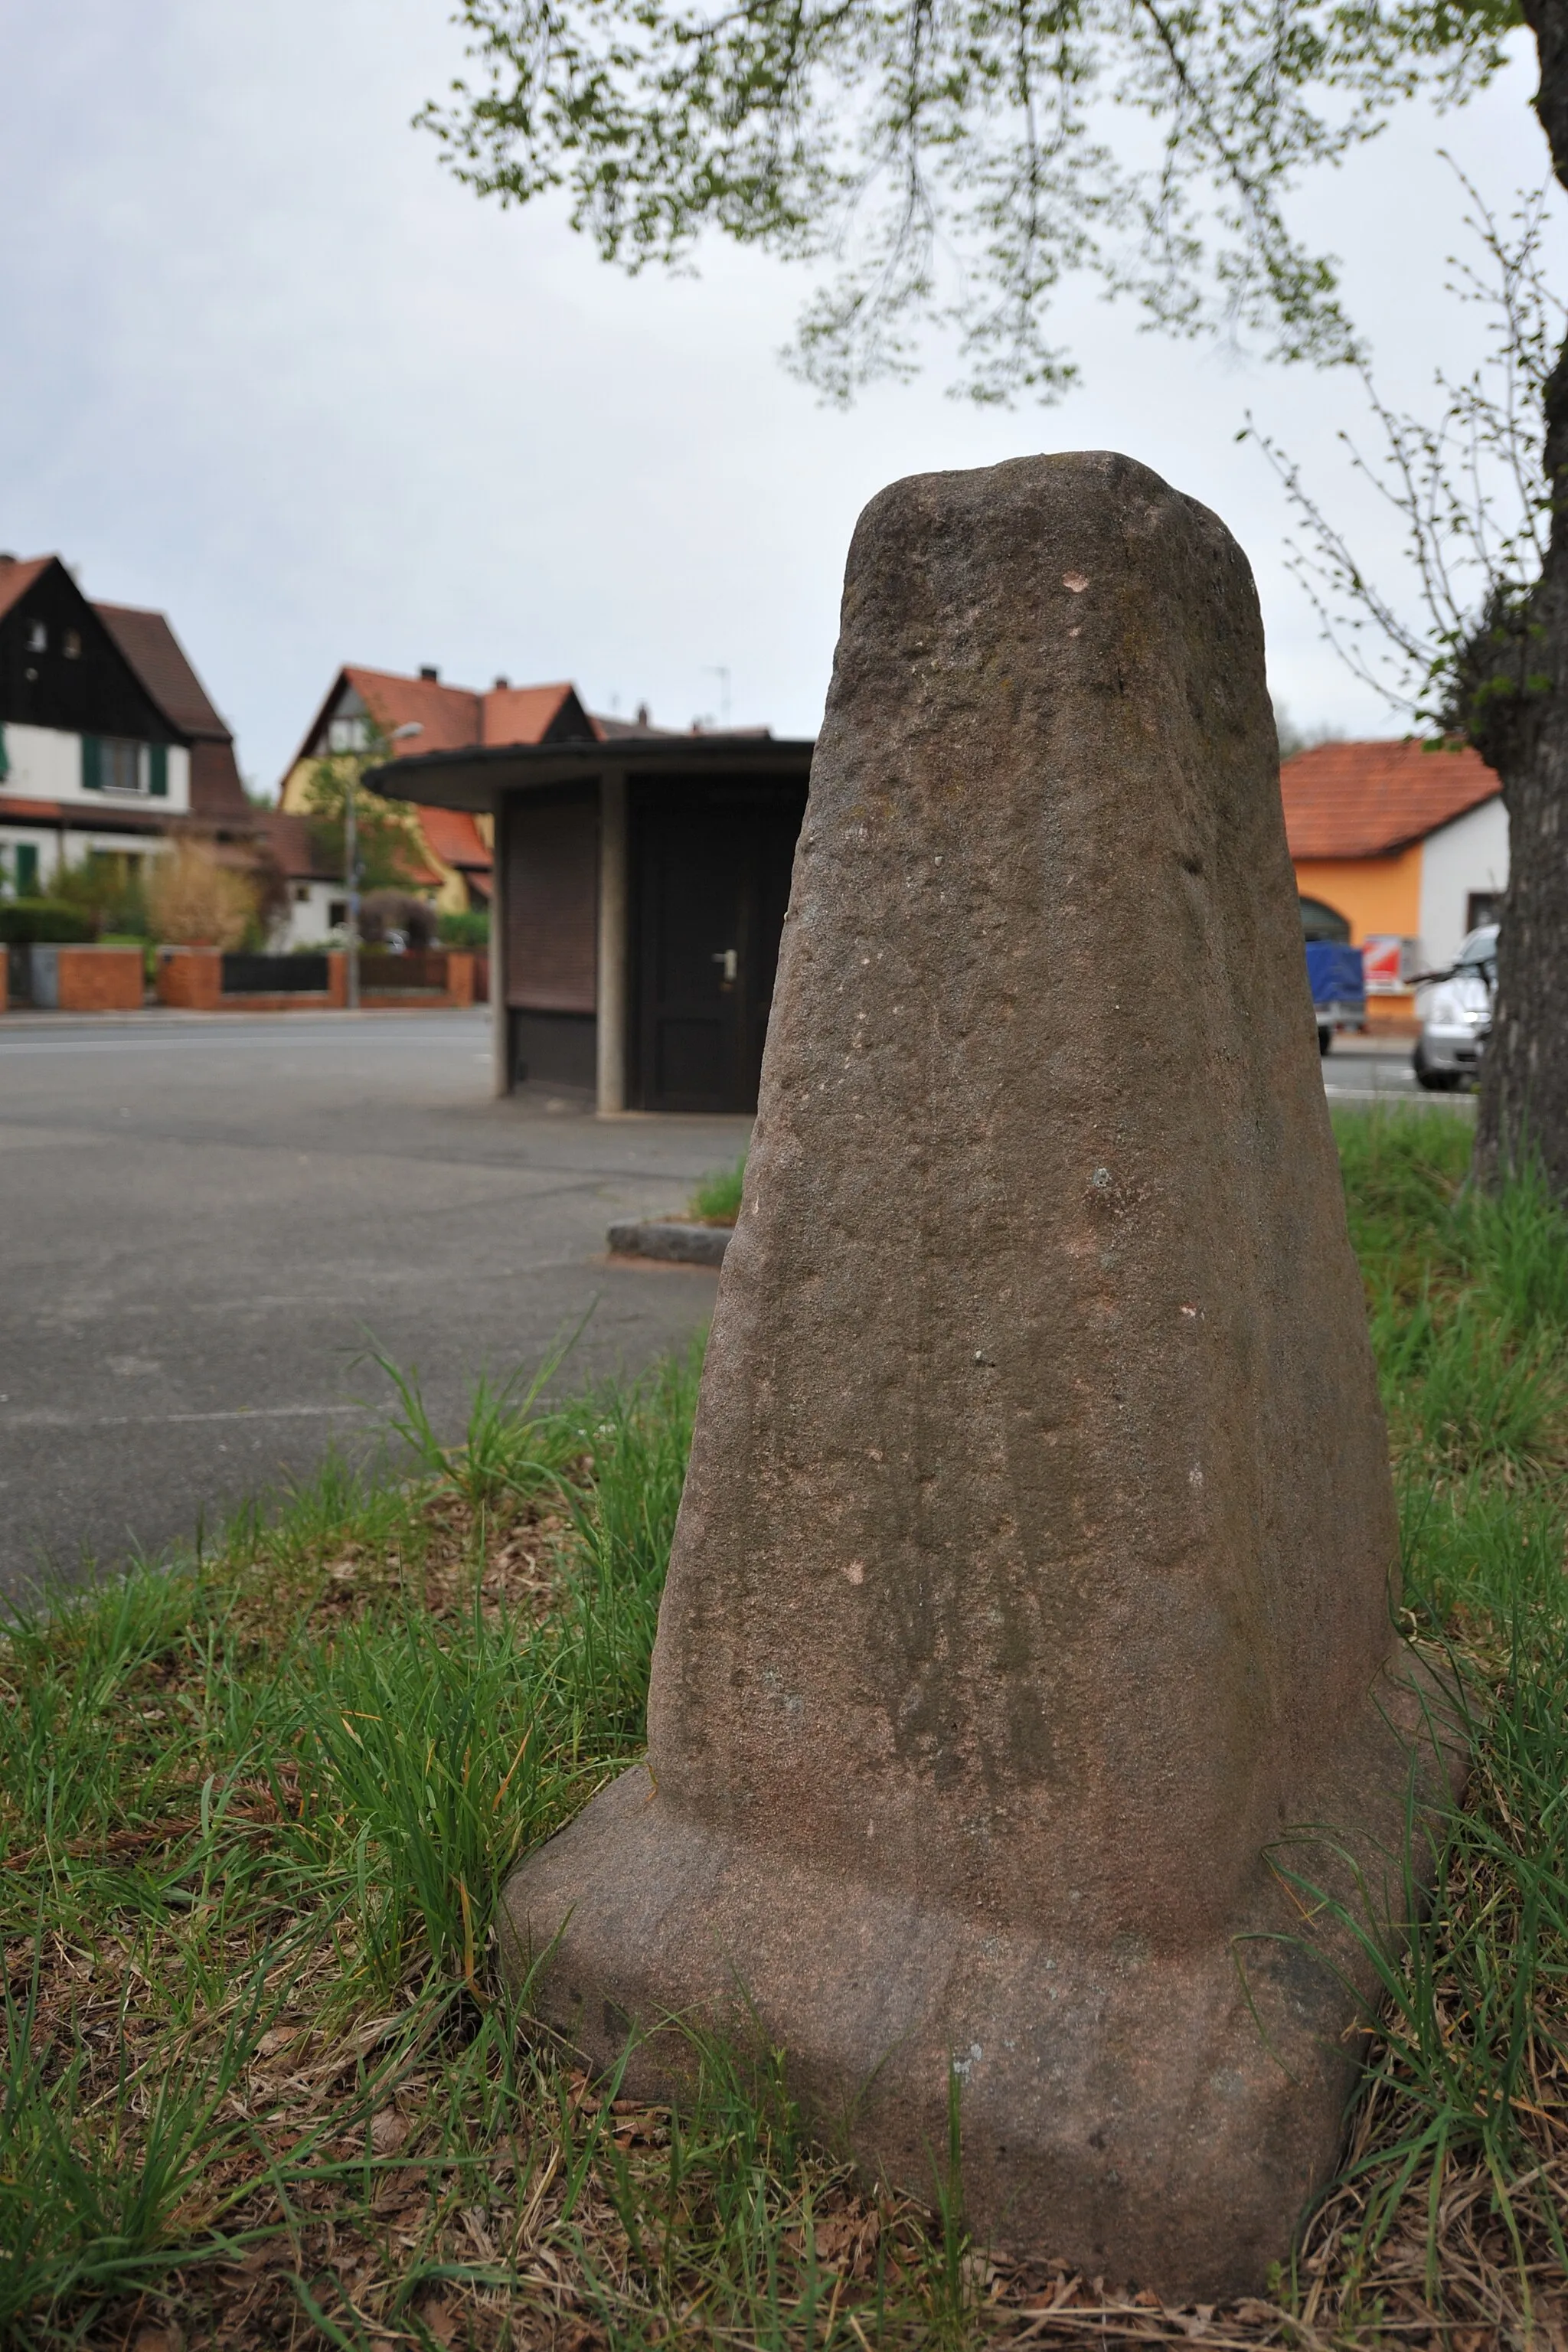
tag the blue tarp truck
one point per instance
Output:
(1338, 988)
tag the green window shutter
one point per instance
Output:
(5, 757)
(158, 771)
(91, 764)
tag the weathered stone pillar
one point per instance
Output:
(1033, 1571)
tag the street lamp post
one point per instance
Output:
(351, 856)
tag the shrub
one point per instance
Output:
(470, 930)
(195, 902)
(396, 910)
(25, 922)
(105, 887)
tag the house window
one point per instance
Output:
(111, 764)
(123, 767)
(1482, 906)
(1321, 922)
(27, 869)
(346, 735)
(37, 636)
(337, 913)
(70, 645)
(301, 894)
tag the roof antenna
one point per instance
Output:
(720, 671)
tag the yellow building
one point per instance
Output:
(404, 718)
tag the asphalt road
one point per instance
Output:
(208, 1221)
(1355, 1071)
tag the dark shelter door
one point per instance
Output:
(713, 867)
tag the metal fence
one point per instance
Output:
(416, 968)
(274, 975)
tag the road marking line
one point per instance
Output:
(45, 1419)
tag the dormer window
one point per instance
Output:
(70, 645)
(37, 636)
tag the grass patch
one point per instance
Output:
(716, 1199)
(261, 2083)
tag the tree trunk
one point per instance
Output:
(1520, 726)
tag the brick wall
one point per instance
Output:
(100, 980)
(190, 978)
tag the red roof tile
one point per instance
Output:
(115, 818)
(17, 576)
(456, 718)
(520, 714)
(1367, 799)
(447, 716)
(289, 837)
(452, 836)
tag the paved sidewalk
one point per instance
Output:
(208, 1220)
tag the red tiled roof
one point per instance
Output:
(1367, 799)
(17, 576)
(288, 838)
(447, 716)
(456, 718)
(452, 836)
(218, 788)
(114, 818)
(519, 714)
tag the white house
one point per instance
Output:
(107, 740)
(1464, 874)
(315, 896)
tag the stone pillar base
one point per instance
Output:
(1157, 2118)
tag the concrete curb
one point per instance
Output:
(685, 1244)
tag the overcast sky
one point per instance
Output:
(267, 367)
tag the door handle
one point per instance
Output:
(730, 960)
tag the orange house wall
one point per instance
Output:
(1373, 895)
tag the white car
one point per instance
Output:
(1458, 1016)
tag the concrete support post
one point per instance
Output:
(615, 933)
(501, 900)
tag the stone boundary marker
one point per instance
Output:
(683, 1245)
(1028, 1616)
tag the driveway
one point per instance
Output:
(208, 1221)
